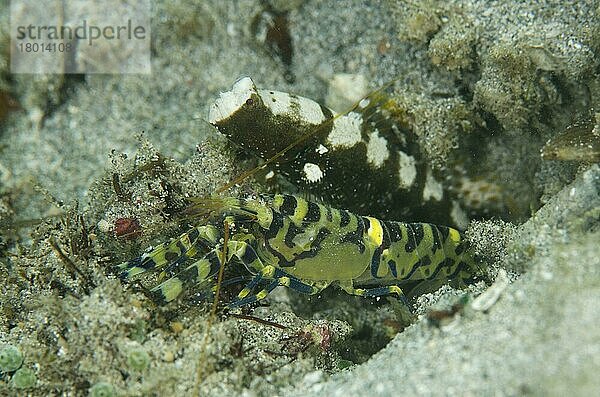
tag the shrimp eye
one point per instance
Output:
(249, 101)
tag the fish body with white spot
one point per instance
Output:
(358, 160)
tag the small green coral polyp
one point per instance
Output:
(138, 359)
(102, 389)
(24, 378)
(11, 359)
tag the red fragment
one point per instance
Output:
(128, 228)
(325, 334)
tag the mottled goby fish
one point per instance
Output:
(360, 160)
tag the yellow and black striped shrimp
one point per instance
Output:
(284, 240)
